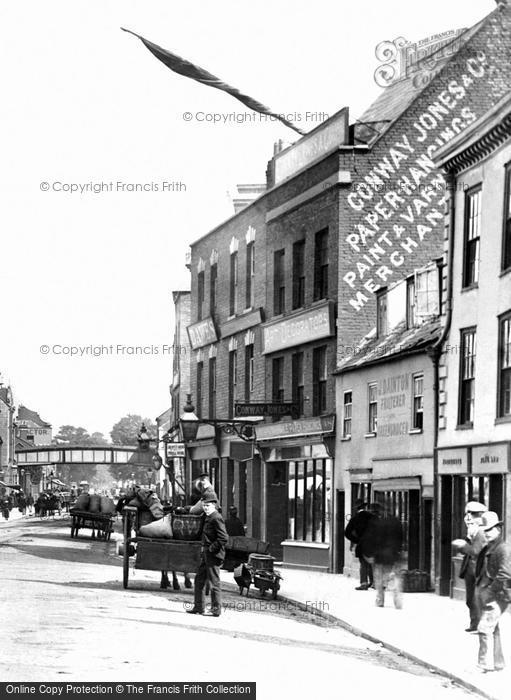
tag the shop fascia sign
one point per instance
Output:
(202, 333)
(278, 409)
(300, 328)
(295, 428)
(174, 450)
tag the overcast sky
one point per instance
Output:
(84, 103)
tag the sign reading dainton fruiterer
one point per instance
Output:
(175, 449)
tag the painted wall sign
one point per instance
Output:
(394, 405)
(202, 333)
(300, 328)
(265, 409)
(294, 428)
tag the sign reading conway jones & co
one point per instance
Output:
(202, 333)
(299, 328)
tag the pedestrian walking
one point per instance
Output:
(381, 545)
(233, 524)
(354, 532)
(470, 548)
(214, 539)
(493, 590)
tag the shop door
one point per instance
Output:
(277, 517)
(340, 522)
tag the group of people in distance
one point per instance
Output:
(377, 540)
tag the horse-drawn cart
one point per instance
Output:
(101, 524)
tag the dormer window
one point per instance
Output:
(381, 314)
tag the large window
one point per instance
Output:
(506, 236)
(233, 380)
(200, 368)
(298, 381)
(372, 390)
(347, 414)
(505, 366)
(418, 402)
(472, 237)
(279, 285)
(249, 371)
(319, 380)
(200, 295)
(309, 500)
(321, 265)
(212, 387)
(250, 287)
(233, 289)
(213, 289)
(278, 379)
(298, 274)
(467, 376)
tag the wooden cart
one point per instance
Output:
(100, 523)
(152, 554)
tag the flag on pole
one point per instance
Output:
(190, 70)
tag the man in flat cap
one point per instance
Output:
(354, 532)
(470, 547)
(493, 591)
(214, 540)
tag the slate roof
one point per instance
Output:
(25, 413)
(395, 98)
(400, 342)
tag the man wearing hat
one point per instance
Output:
(493, 591)
(214, 539)
(354, 532)
(470, 547)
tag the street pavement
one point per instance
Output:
(65, 616)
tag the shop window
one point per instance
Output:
(418, 402)
(309, 484)
(200, 368)
(249, 371)
(298, 274)
(319, 380)
(233, 380)
(250, 287)
(212, 387)
(213, 289)
(233, 288)
(298, 381)
(279, 285)
(321, 265)
(200, 295)
(372, 408)
(504, 402)
(506, 235)
(472, 237)
(347, 414)
(467, 377)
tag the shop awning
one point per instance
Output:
(11, 486)
(400, 483)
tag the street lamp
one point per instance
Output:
(243, 429)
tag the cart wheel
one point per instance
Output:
(275, 590)
(125, 566)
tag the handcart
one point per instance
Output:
(157, 554)
(100, 523)
(253, 565)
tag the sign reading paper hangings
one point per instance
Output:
(174, 449)
(244, 410)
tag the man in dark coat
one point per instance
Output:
(233, 524)
(493, 591)
(214, 539)
(354, 532)
(470, 548)
(381, 544)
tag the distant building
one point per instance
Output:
(31, 428)
(8, 469)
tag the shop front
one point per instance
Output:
(297, 476)
(471, 473)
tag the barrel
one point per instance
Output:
(260, 562)
(82, 502)
(95, 503)
(187, 527)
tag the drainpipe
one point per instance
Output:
(435, 353)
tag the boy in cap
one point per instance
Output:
(214, 539)
(470, 547)
(493, 590)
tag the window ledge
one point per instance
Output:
(370, 435)
(248, 309)
(470, 288)
(502, 419)
(465, 426)
(230, 318)
(347, 438)
(300, 543)
(415, 431)
(505, 272)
